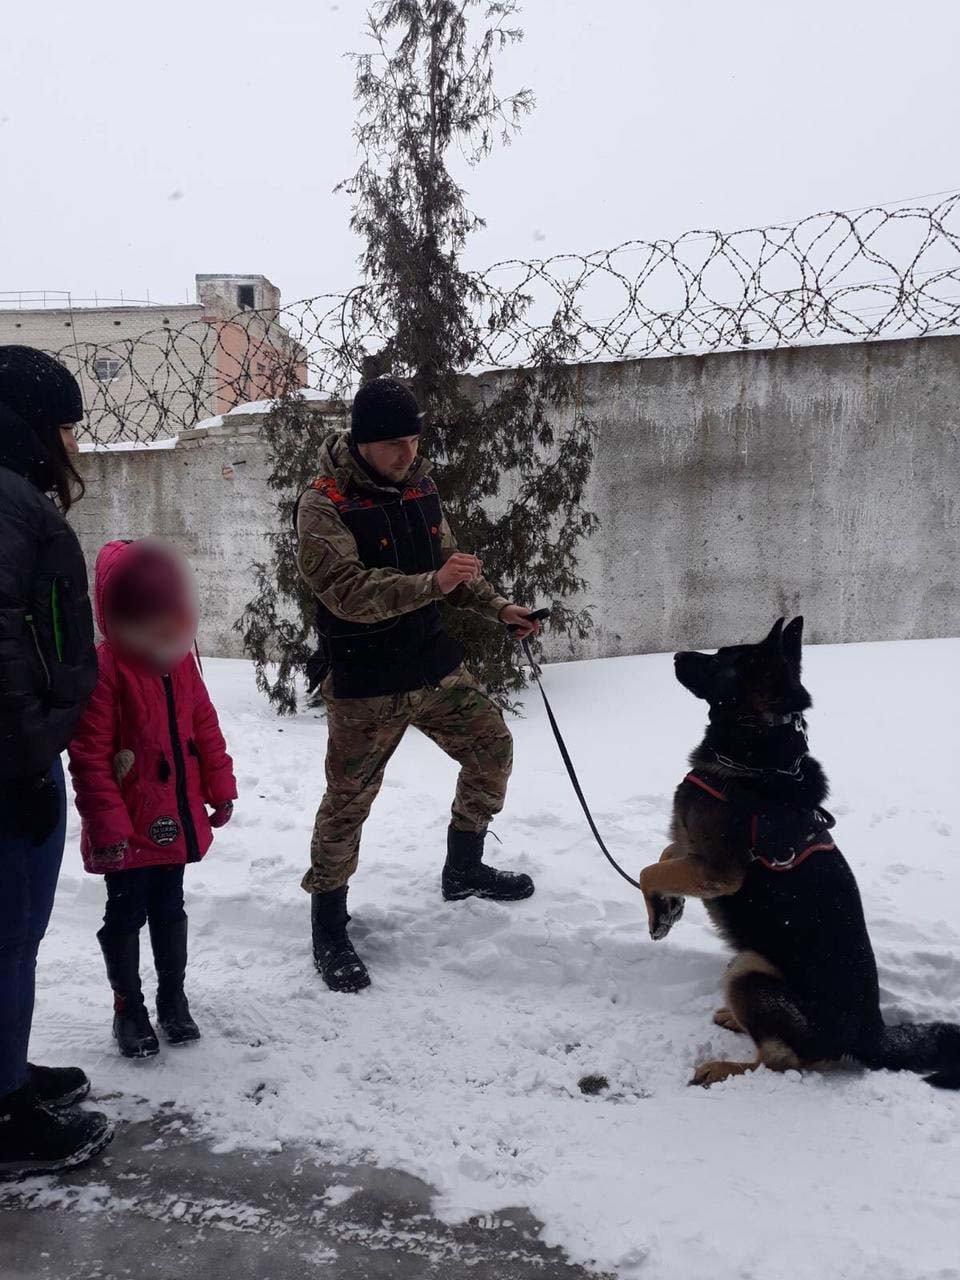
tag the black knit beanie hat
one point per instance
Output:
(37, 397)
(384, 410)
(39, 389)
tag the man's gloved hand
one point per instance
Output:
(34, 809)
(222, 814)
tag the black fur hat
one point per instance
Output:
(38, 388)
(384, 410)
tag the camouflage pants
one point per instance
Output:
(365, 732)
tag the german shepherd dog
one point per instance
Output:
(751, 838)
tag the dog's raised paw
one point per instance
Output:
(664, 913)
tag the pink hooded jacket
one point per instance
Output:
(156, 802)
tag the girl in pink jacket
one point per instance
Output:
(148, 760)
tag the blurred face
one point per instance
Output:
(391, 459)
(163, 641)
(69, 438)
(151, 605)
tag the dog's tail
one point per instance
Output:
(924, 1047)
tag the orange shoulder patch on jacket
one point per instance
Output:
(330, 489)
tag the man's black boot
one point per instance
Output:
(57, 1087)
(132, 1031)
(333, 954)
(169, 942)
(35, 1139)
(466, 875)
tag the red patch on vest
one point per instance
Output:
(424, 488)
(330, 489)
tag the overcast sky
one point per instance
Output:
(143, 143)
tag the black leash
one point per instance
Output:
(571, 771)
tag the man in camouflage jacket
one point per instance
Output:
(378, 555)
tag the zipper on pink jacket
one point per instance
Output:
(180, 776)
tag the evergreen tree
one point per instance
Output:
(513, 450)
(277, 626)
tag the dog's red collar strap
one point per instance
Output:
(716, 792)
(779, 841)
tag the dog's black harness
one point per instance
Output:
(780, 840)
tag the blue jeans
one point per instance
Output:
(28, 884)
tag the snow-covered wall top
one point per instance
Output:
(731, 488)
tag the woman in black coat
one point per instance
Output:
(48, 669)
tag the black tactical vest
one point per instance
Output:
(397, 530)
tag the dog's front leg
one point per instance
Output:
(663, 911)
(683, 877)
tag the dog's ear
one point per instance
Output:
(696, 672)
(773, 642)
(793, 642)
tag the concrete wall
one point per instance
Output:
(731, 488)
(211, 499)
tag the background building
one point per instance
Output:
(149, 371)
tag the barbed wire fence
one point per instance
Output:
(874, 273)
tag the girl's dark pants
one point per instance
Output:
(142, 894)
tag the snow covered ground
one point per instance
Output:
(461, 1063)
